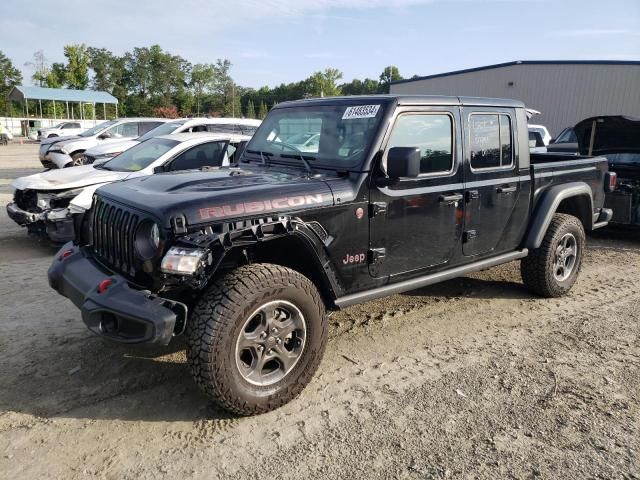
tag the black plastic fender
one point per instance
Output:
(548, 205)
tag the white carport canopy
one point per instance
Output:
(24, 93)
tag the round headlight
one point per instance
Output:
(147, 240)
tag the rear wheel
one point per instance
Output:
(256, 338)
(552, 269)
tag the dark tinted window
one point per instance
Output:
(223, 128)
(490, 140)
(432, 134)
(248, 129)
(145, 127)
(567, 136)
(210, 154)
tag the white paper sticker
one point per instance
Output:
(360, 111)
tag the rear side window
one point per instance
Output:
(432, 134)
(147, 127)
(210, 154)
(223, 128)
(490, 141)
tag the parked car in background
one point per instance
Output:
(69, 151)
(236, 126)
(536, 144)
(49, 203)
(618, 139)
(543, 131)
(566, 142)
(63, 129)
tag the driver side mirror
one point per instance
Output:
(553, 140)
(403, 162)
(104, 135)
(159, 169)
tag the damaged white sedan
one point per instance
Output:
(52, 203)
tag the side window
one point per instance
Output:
(222, 128)
(248, 129)
(145, 127)
(75, 125)
(126, 130)
(67, 125)
(208, 154)
(490, 141)
(432, 134)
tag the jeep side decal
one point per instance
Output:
(259, 206)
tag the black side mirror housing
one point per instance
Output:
(553, 140)
(104, 135)
(403, 162)
(159, 169)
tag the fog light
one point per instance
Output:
(183, 261)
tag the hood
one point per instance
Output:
(111, 147)
(222, 194)
(613, 134)
(52, 140)
(67, 178)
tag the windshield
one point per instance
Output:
(139, 157)
(336, 136)
(164, 129)
(97, 129)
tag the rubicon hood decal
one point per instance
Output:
(283, 203)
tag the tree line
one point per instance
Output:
(150, 81)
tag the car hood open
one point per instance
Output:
(67, 178)
(613, 134)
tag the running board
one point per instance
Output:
(419, 282)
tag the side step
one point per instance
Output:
(425, 280)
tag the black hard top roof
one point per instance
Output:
(406, 100)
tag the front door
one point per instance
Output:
(416, 223)
(491, 180)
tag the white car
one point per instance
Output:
(543, 131)
(64, 129)
(51, 202)
(60, 152)
(242, 126)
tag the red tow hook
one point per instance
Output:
(64, 255)
(104, 284)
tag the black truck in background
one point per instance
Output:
(617, 138)
(334, 202)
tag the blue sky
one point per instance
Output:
(275, 41)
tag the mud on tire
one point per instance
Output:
(552, 269)
(231, 313)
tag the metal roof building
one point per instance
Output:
(564, 91)
(22, 93)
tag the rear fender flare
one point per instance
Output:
(548, 206)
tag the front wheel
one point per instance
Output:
(256, 338)
(77, 159)
(552, 269)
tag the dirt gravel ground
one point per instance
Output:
(472, 378)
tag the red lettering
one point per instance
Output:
(253, 207)
(230, 210)
(296, 201)
(309, 199)
(279, 203)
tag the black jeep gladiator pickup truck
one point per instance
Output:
(335, 201)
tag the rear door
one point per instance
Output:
(492, 184)
(416, 223)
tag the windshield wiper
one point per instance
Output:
(301, 157)
(262, 155)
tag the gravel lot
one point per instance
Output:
(472, 378)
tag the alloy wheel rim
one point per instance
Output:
(270, 343)
(565, 258)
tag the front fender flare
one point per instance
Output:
(547, 207)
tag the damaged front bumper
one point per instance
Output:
(57, 224)
(110, 307)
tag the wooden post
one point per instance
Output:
(40, 102)
(55, 117)
(104, 111)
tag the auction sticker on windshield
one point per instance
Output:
(361, 111)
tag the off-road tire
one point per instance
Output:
(218, 319)
(537, 269)
(77, 159)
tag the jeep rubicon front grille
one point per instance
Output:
(113, 236)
